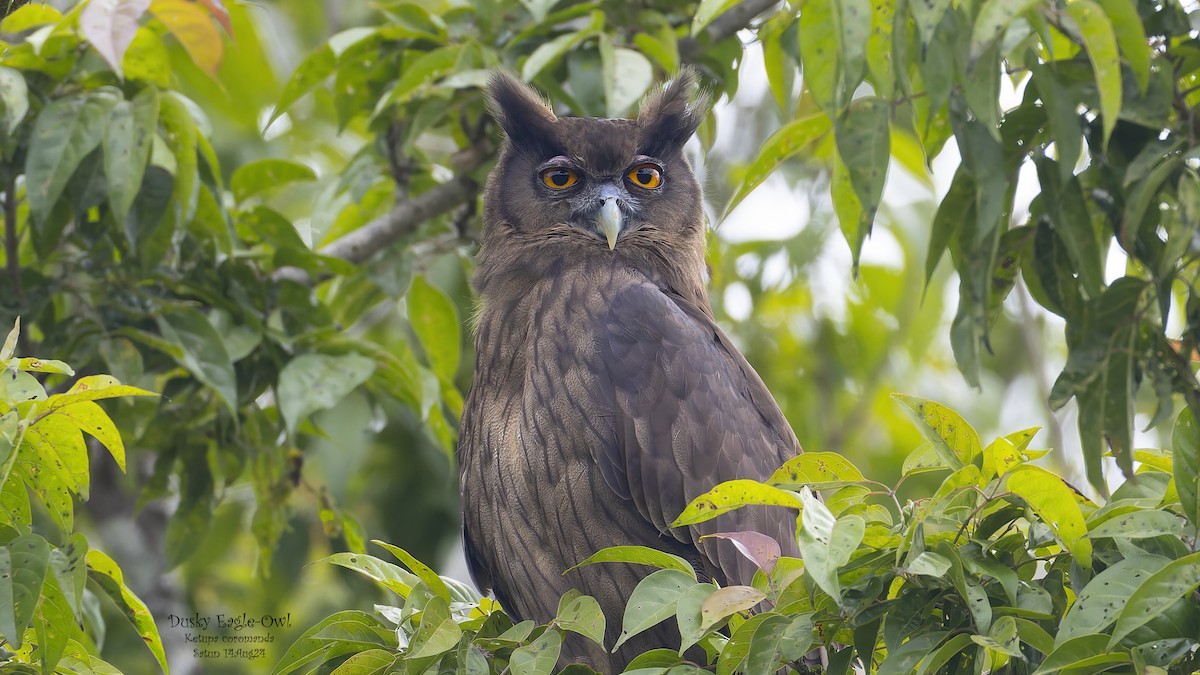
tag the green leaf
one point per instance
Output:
(652, 602)
(311, 72)
(827, 543)
(688, 614)
(929, 564)
(418, 74)
(371, 662)
(423, 571)
(344, 632)
(391, 577)
(1100, 374)
(904, 660)
(204, 352)
(942, 655)
(255, 177)
(927, 14)
(105, 573)
(581, 614)
(1080, 652)
(820, 54)
(1185, 441)
(627, 77)
(777, 640)
(438, 632)
(68, 564)
(1131, 37)
(147, 59)
(1156, 595)
(23, 565)
(434, 318)
(638, 555)
(538, 657)
(182, 138)
(957, 207)
(550, 52)
(780, 146)
(852, 23)
(726, 602)
(9, 348)
(312, 382)
(66, 131)
(1071, 222)
(539, 8)
(1140, 525)
(817, 469)
(1100, 601)
(14, 100)
(731, 495)
(1054, 502)
(864, 145)
(709, 10)
(994, 16)
(956, 441)
(1002, 637)
(1101, 44)
(1063, 117)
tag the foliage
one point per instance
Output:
(1005, 569)
(49, 612)
(1108, 120)
(285, 257)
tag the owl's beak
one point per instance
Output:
(609, 221)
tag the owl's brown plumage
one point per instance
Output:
(605, 396)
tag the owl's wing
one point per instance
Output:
(689, 413)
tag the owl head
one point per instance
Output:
(579, 187)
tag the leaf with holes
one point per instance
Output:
(1054, 502)
(732, 495)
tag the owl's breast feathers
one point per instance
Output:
(603, 380)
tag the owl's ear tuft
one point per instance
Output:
(668, 117)
(520, 111)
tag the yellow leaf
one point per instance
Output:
(195, 30)
(92, 419)
(57, 441)
(1055, 503)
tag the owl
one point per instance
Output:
(605, 397)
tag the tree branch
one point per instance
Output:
(729, 23)
(404, 218)
(407, 215)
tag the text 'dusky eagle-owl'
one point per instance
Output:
(605, 396)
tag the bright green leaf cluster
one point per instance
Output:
(1006, 569)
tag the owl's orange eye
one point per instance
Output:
(558, 178)
(645, 175)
